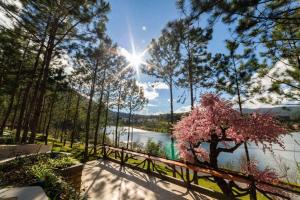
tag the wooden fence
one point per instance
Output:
(188, 175)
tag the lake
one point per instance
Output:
(280, 160)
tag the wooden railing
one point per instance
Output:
(188, 175)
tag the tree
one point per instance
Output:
(51, 24)
(163, 65)
(135, 101)
(216, 122)
(271, 27)
(195, 71)
(233, 75)
(106, 62)
(12, 68)
(92, 69)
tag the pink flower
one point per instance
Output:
(216, 117)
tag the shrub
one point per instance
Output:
(154, 148)
(62, 162)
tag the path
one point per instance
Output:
(108, 181)
(23, 193)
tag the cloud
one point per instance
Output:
(151, 105)
(265, 83)
(150, 89)
(65, 62)
(183, 109)
(160, 86)
(149, 92)
(6, 21)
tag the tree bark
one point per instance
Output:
(240, 103)
(106, 116)
(44, 116)
(48, 57)
(118, 116)
(28, 87)
(213, 156)
(14, 91)
(172, 117)
(75, 119)
(68, 110)
(99, 111)
(88, 116)
(12, 126)
(6, 116)
(129, 125)
(50, 116)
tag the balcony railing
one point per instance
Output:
(187, 174)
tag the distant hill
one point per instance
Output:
(277, 111)
(283, 111)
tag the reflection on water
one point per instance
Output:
(279, 160)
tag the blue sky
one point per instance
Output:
(144, 20)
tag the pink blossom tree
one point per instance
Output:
(215, 122)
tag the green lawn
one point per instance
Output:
(77, 153)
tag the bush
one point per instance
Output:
(154, 148)
(62, 162)
(43, 173)
(40, 170)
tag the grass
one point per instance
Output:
(78, 149)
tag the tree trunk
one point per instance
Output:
(14, 91)
(213, 156)
(99, 114)
(240, 104)
(88, 116)
(43, 116)
(46, 110)
(172, 117)
(12, 126)
(106, 116)
(21, 114)
(28, 88)
(48, 57)
(31, 96)
(190, 77)
(131, 137)
(50, 116)
(68, 110)
(6, 116)
(129, 124)
(118, 116)
(75, 119)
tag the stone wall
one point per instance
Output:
(10, 151)
(73, 175)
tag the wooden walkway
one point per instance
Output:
(108, 180)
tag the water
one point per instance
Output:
(281, 160)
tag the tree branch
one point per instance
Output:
(231, 150)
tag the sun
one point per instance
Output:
(134, 59)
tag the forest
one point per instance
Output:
(63, 79)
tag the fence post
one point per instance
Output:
(122, 156)
(104, 151)
(195, 177)
(174, 171)
(188, 177)
(252, 189)
(148, 164)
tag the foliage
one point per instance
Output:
(63, 162)
(216, 122)
(154, 148)
(40, 170)
(268, 28)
